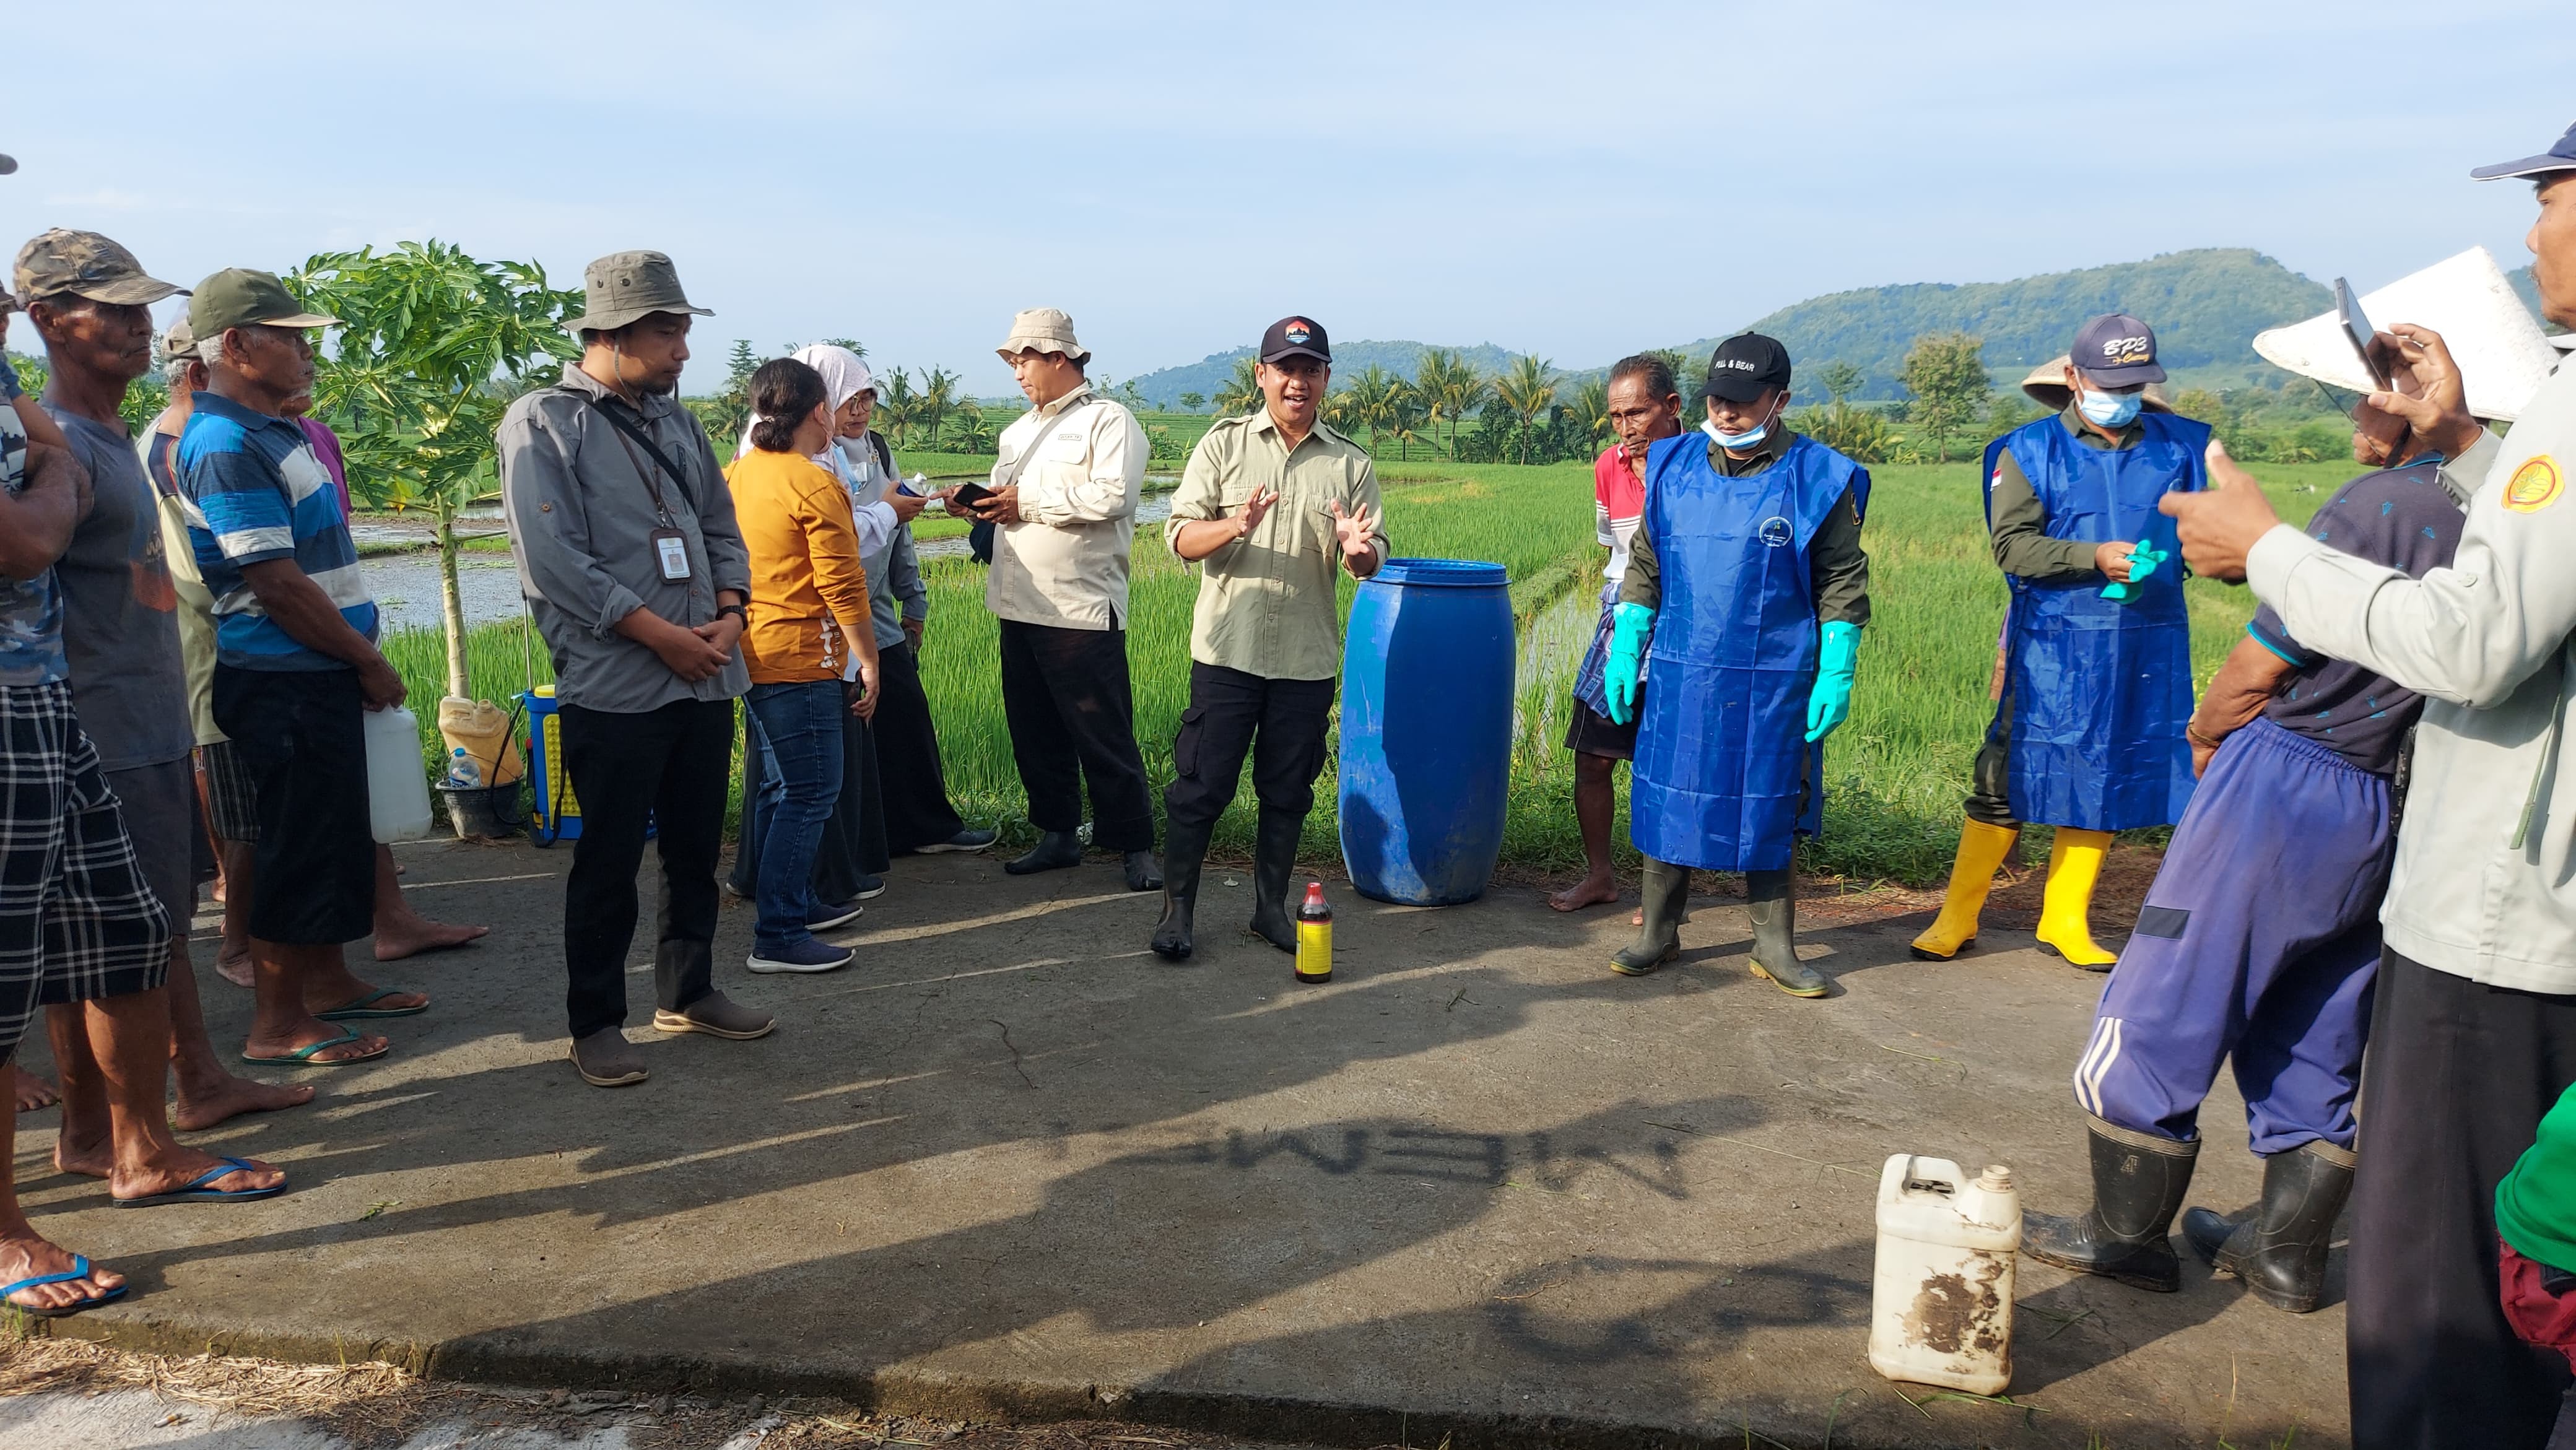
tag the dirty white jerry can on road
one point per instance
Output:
(1941, 1302)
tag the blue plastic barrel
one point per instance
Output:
(1427, 730)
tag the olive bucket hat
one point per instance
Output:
(85, 264)
(625, 287)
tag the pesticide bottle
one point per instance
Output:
(1314, 936)
(1942, 1297)
(397, 786)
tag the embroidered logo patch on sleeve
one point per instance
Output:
(2535, 485)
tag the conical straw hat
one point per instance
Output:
(2502, 353)
(2046, 386)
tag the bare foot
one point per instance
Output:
(230, 1097)
(1590, 891)
(30, 1256)
(411, 934)
(1637, 917)
(312, 1030)
(89, 1160)
(234, 967)
(335, 987)
(180, 1169)
(32, 1093)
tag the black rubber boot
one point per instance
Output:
(1274, 860)
(2279, 1248)
(1184, 847)
(1144, 873)
(1771, 899)
(1054, 851)
(1664, 897)
(2139, 1181)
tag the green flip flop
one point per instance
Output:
(303, 1056)
(360, 1009)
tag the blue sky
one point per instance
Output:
(1578, 180)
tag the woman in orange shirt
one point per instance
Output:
(809, 615)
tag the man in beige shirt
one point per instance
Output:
(1271, 506)
(1063, 503)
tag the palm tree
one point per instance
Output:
(1528, 390)
(1450, 388)
(896, 405)
(974, 430)
(938, 400)
(1592, 410)
(1242, 392)
(1376, 396)
(1406, 421)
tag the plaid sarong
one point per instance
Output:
(77, 920)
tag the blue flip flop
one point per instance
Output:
(303, 1056)
(362, 1008)
(196, 1192)
(78, 1270)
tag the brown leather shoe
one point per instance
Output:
(716, 1015)
(606, 1059)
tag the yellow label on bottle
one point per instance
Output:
(1314, 951)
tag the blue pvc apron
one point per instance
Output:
(2098, 692)
(1722, 756)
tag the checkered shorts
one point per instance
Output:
(77, 920)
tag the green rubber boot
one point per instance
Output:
(1665, 900)
(1771, 899)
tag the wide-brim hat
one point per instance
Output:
(627, 287)
(2046, 386)
(2502, 353)
(1042, 329)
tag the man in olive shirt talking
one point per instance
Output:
(1270, 506)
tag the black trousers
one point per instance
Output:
(1072, 717)
(914, 783)
(1281, 723)
(1990, 793)
(669, 765)
(303, 734)
(854, 839)
(2458, 1077)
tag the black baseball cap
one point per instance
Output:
(1296, 337)
(2116, 350)
(1746, 366)
(2561, 157)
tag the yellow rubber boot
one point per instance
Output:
(2065, 917)
(1982, 848)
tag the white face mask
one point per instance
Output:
(2110, 410)
(1750, 437)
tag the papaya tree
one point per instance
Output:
(432, 348)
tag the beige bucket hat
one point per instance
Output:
(2046, 386)
(625, 287)
(1042, 329)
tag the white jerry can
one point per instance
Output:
(397, 784)
(1941, 1302)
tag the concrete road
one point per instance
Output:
(1011, 1164)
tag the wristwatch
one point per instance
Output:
(736, 610)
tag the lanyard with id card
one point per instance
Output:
(670, 546)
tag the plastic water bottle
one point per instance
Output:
(463, 770)
(1941, 1301)
(397, 787)
(1314, 936)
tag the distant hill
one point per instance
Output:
(2205, 306)
(1163, 388)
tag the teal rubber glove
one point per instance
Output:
(2142, 562)
(1829, 704)
(1630, 623)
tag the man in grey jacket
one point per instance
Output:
(2474, 1031)
(631, 561)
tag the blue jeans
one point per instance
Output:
(799, 729)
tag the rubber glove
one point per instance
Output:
(1829, 704)
(1630, 623)
(2142, 562)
